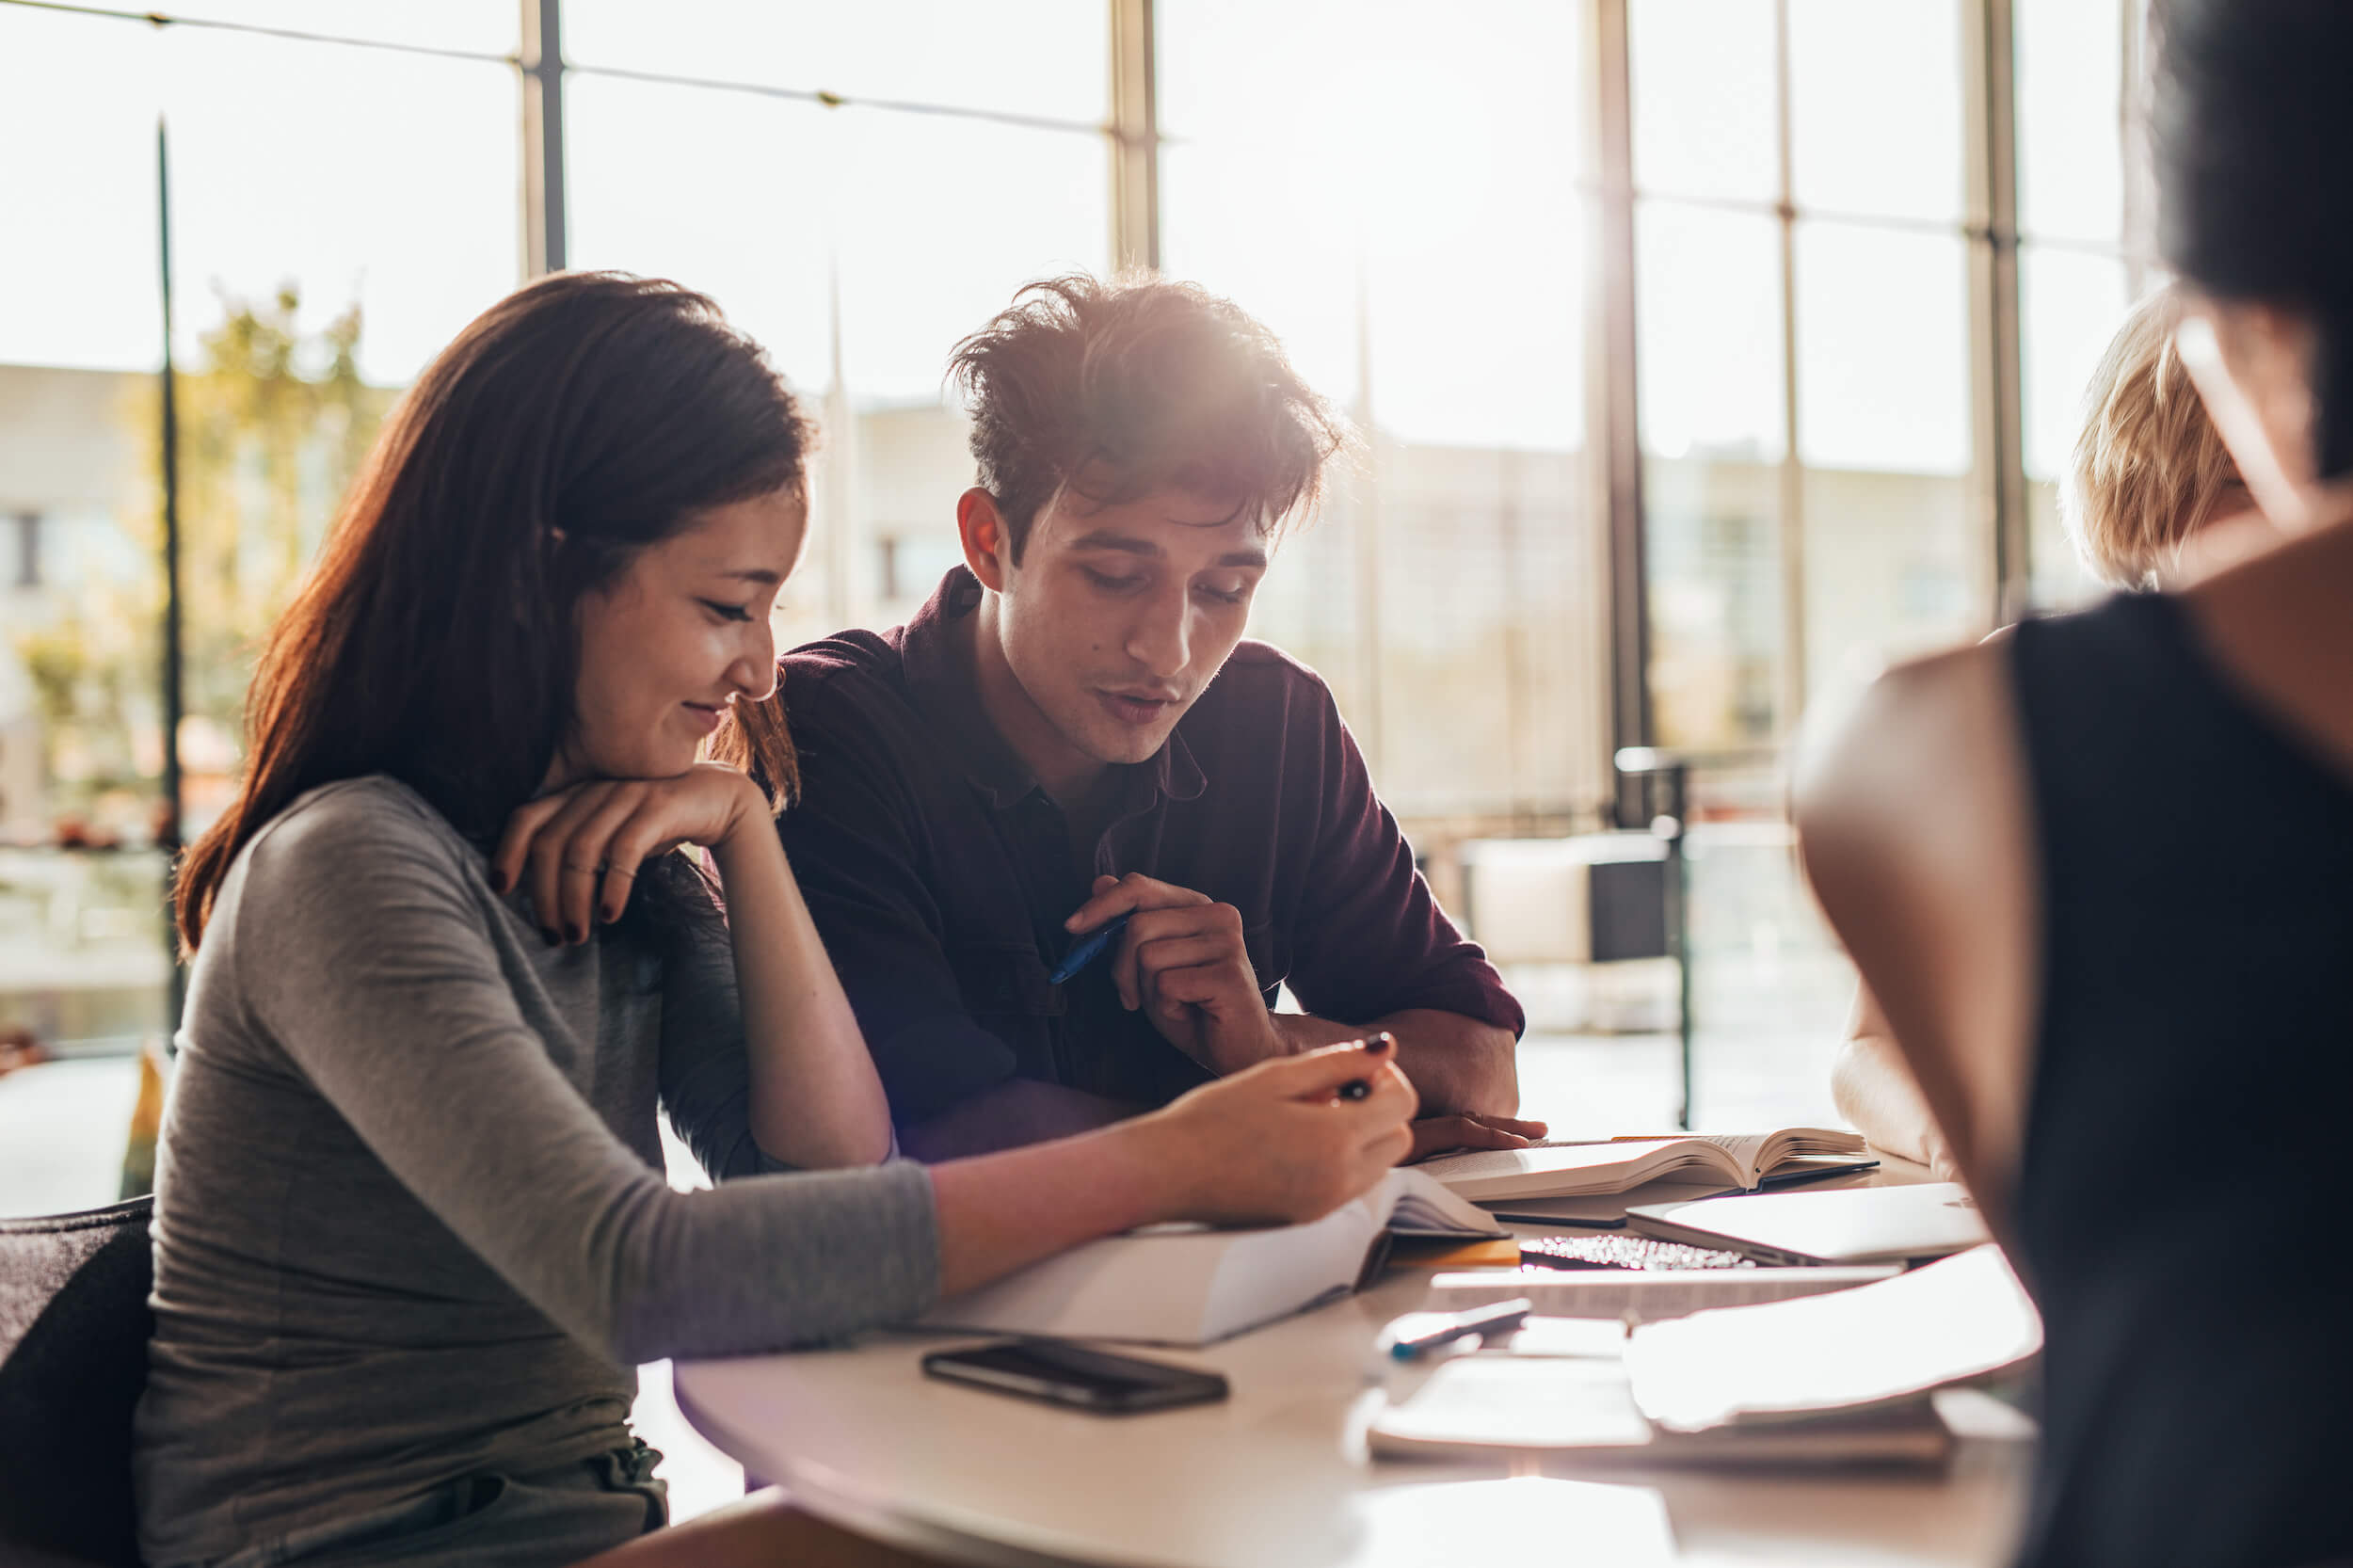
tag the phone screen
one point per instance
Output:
(1075, 1375)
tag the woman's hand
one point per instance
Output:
(1281, 1143)
(1278, 1143)
(578, 849)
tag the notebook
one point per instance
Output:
(1578, 1170)
(1191, 1284)
(1863, 1224)
(1955, 1320)
(1838, 1378)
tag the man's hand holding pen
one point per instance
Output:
(1181, 961)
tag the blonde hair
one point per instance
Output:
(2147, 465)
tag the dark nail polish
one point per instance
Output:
(550, 938)
(574, 935)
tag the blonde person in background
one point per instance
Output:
(2148, 475)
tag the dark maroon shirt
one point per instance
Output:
(939, 872)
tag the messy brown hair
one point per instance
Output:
(1118, 388)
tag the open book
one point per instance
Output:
(1190, 1284)
(1571, 1170)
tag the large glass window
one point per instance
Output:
(2081, 261)
(1399, 204)
(1409, 196)
(859, 300)
(327, 238)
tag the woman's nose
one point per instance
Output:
(754, 672)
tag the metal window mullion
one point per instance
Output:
(1135, 132)
(2135, 237)
(1789, 497)
(542, 67)
(2003, 558)
(1614, 477)
(173, 673)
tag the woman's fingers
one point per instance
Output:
(1391, 1145)
(625, 855)
(507, 863)
(552, 861)
(588, 860)
(1320, 1074)
(579, 851)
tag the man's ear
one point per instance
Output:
(987, 542)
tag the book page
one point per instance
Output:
(1419, 1202)
(1743, 1148)
(1570, 1168)
(1755, 1155)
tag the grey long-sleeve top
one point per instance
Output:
(410, 1220)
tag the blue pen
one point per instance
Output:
(1090, 947)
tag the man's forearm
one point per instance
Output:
(1457, 1064)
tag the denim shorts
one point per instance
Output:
(543, 1519)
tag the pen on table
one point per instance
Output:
(1090, 947)
(1480, 1321)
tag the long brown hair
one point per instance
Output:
(579, 420)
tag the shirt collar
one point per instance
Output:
(938, 666)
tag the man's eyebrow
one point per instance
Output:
(1131, 545)
(1128, 543)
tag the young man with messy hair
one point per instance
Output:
(1073, 730)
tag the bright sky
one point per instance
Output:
(1350, 169)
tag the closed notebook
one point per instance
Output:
(1191, 1285)
(1576, 1170)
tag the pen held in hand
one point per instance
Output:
(1090, 947)
(1359, 1088)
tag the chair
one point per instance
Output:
(73, 1328)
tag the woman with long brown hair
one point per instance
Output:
(411, 1232)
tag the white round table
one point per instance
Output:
(1265, 1479)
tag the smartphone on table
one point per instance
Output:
(1061, 1372)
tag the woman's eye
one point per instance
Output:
(727, 612)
